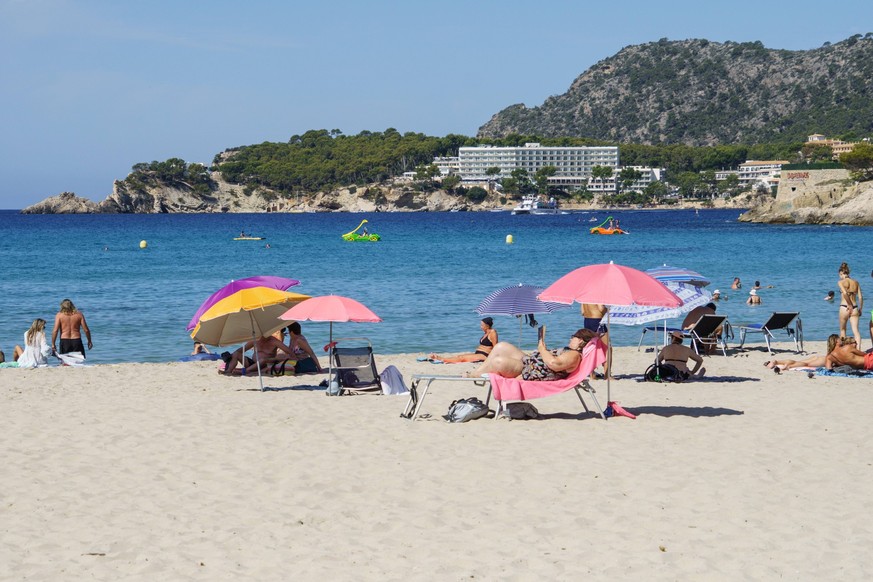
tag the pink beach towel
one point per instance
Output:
(593, 355)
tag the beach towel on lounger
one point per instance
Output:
(593, 355)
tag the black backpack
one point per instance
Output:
(659, 372)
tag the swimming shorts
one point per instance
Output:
(594, 324)
(868, 361)
(305, 366)
(71, 345)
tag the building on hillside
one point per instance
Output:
(573, 164)
(610, 184)
(837, 146)
(447, 165)
(766, 172)
(723, 174)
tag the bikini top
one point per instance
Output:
(486, 341)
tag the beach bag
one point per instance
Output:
(520, 411)
(466, 409)
(663, 373)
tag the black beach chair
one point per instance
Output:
(777, 320)
(704, 332)
(354, 366)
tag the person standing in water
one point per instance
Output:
(851, 304)
(69, 324)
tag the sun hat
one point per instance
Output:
(753, 292)
(716, 292)
(677, 334)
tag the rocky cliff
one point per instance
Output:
(816, 197)
(698, 92)
(136, 197)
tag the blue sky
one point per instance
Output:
(90, 87)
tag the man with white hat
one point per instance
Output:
(716, 295)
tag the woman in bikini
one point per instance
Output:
(851, 304)
(811, 362)
(510, 362)
(486, 344)
(678, 355)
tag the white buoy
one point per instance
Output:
(509, 240)
(143, 244)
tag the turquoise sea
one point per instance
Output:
(424, 278)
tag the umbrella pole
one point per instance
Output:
(519, 332)
(608, 363)
(257, 355)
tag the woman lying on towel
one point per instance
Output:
(847, 354)
(811, 362)
(486, 344)
(543, 364)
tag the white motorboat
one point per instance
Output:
(532, 204)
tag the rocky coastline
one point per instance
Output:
(816, 197)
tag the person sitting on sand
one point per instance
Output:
(486, 344)
(36, 349)
(846, 353)
(779, 366)
(754, 298)
(307, 361)
(267, 348)
(510, 362)
(678, 355)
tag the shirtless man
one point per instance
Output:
(848, 354)
(70, 323)
(678, 355)
(267, 348)
(592, 316)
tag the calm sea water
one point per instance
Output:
(424, 278)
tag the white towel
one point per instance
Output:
(392, 381)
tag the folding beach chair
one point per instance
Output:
(353, 365)
(777, 320)
(703, 332)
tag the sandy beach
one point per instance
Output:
(169, 471)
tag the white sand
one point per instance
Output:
(170, 472)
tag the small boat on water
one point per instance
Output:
(365, 236)
(531, 204)
(249, 238)
(608, 226)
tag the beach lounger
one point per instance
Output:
(777, 320)
(515, 390)
(353, 365)
(703, 332)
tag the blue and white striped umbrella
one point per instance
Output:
(690, 295)
(517, 300)
(666, 273)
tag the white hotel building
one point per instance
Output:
(573, 164)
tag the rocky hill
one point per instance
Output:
(816, 197)
(698, 92)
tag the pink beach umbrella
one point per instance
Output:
(610, 284)
(331, 308)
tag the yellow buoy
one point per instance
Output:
(509, 240)
(143, 244)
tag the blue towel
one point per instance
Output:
(845, 373)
